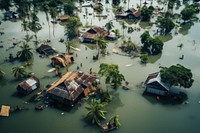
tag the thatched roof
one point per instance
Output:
(72, 84)
(63, 59)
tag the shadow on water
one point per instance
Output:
(3, 82)
(165, 38)
(184, 30)
(170, 99)
(153, 59)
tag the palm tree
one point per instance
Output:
(109, 26)
(123, 27)
(25, 26)
(119, 9)
(72, 28)
(95, 112)
(101, 43)
(1, 74)
(53, 13)
(25, 53)
(19, 71)
(34, 24)
(112, 74)
(46, 9)
(115, 120)
(68, 46)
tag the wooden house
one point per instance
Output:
(28, 85)
(71, 87)
(97, 5)
(154, 85)
(130, 14)
(91, 34)
(62, 60)
(63, 18)
(46, 50)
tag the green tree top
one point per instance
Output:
(177, 75)
(112, 74)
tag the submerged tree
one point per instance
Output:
(146, 13)
(34, 24)
(115, 120)
(25, 54)
(177, 75)
(166, 25)
(151, 45)
(109, 26)
(112, 74)
(19, 72)
(95, 112)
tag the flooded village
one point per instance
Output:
(99, 66)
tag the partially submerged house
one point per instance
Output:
(10, 15)
(46, 50)
(97, 5)
(63, 18)
(28, 85)
(91, 35)
(129, 14)
(62, 60)
(154, 85)
(71, 87)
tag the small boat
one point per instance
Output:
(108, 127)
(77, 49)
(51, 70)
(39, 107)
(128, 65)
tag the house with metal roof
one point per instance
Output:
(91, 34)
(71, 87)
(130, 14)
(154, 85)
(28, 85)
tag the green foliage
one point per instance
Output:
(144, 58)
(166, 25)
(19, 72)
(109, 26)
(177, 75)
(187, 13)
(112, 74)
(69, 8)
(25, 54)
(101, 44)
(5, 4)
(116, 2)
(151, 45)
(146, 13)
(72, 28)
(115, 119)
(95, 112)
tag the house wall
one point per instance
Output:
(155, 91)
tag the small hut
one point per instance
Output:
(91, 34)
(45, 50)
(28, 85)
(62, 60)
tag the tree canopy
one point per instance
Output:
(112, 74)
(146, 13)
(177, 75)
(166, 25)
(151, 45)
(95, 112)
